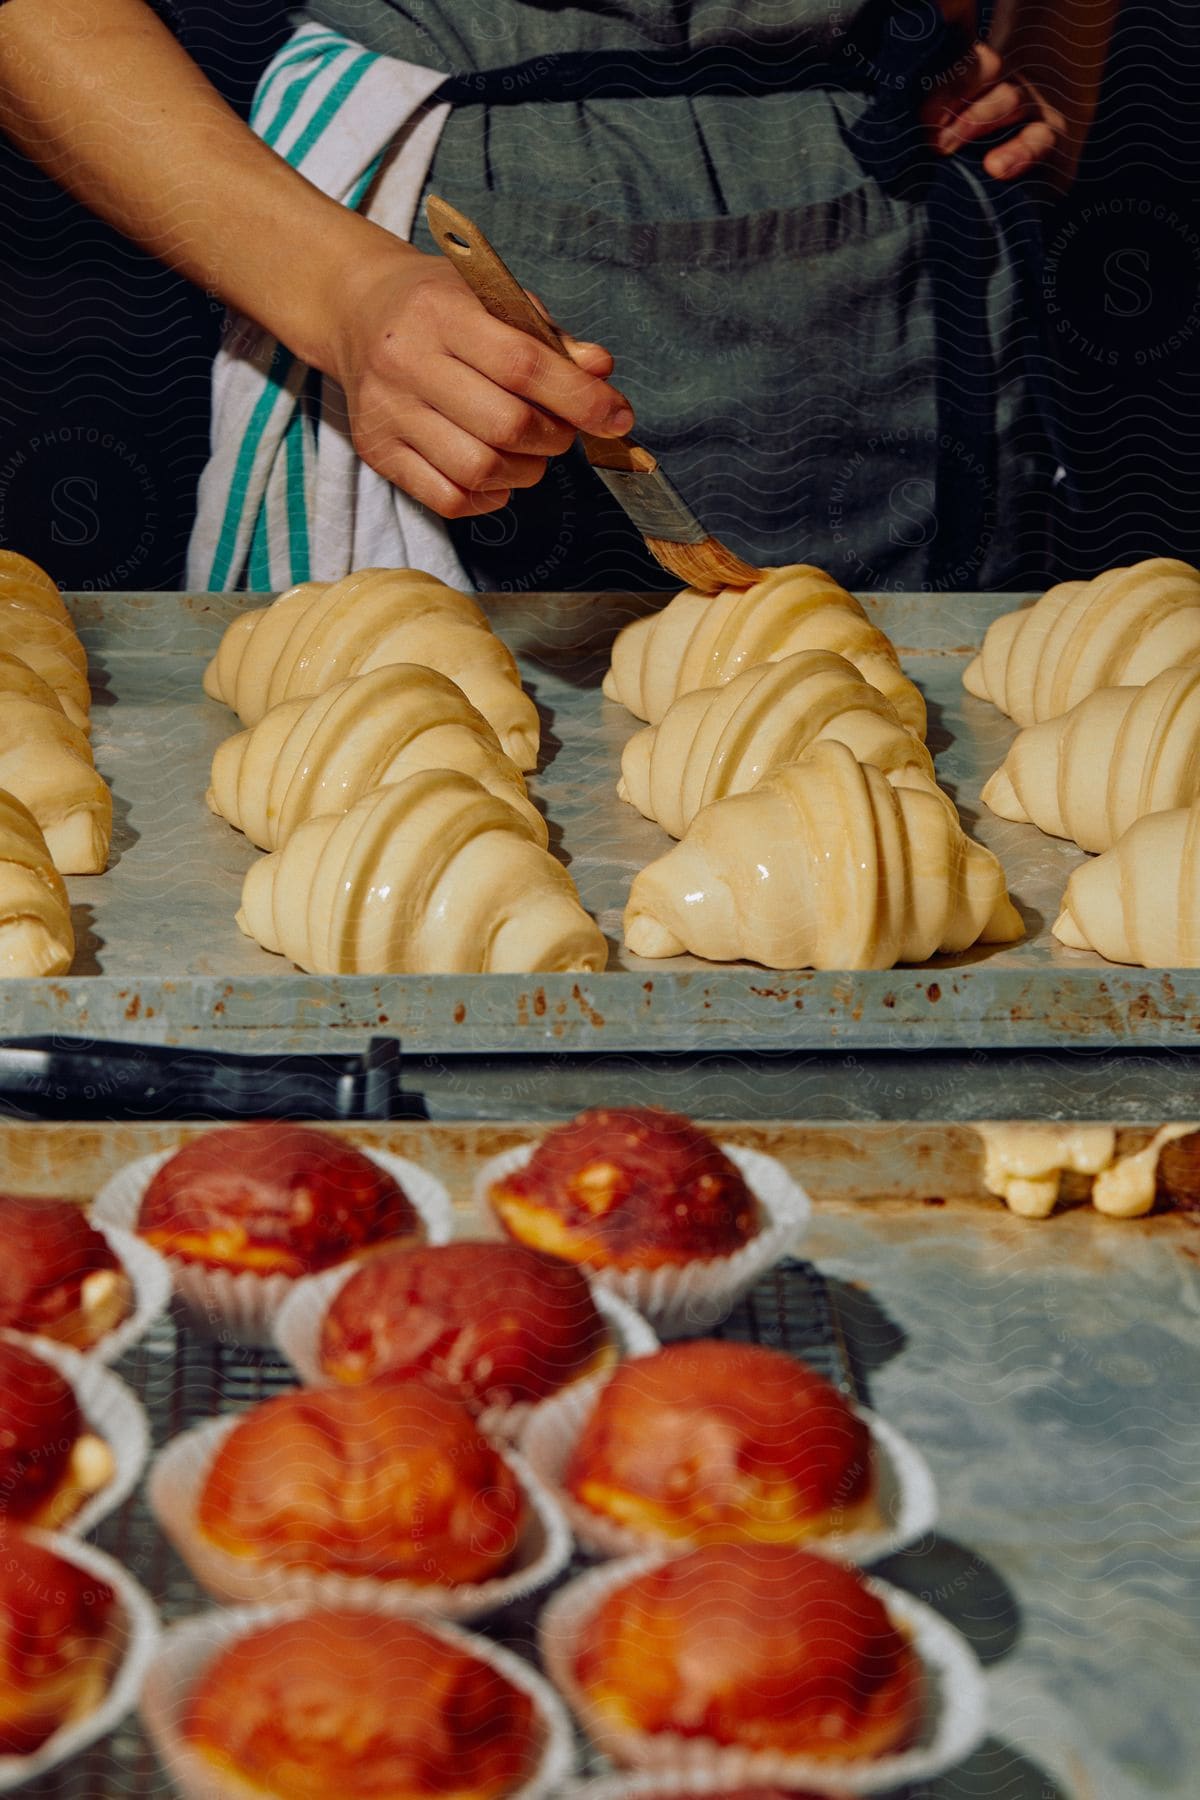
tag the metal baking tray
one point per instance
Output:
(182, 1380)
(161, 958)
(1047, 1370)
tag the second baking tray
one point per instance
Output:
(160, 957)
(1047, 1370)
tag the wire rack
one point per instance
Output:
(181, 1380)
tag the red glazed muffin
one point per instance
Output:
(59, 1277)
(390, 1480)
(756, 1645)
(274, 1199)
(58, 1644)
(628, 1188)
(712, 1442)
(49, 1461)
(496, 1324)
(354, 1706)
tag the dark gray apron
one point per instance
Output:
(820, 327)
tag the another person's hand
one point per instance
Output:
(984, 98)
(448, 403)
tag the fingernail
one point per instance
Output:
(619, 419)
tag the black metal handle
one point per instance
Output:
(76, 1078)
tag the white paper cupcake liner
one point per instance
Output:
(236, 1306)
(954, 1718)
(688, 1299)
(904, 1490)
(112, 1412)
(185, 1651)
(151, 1279)
(177, 1480)
(140, 1639)
(661, 1785)
(302, 1317)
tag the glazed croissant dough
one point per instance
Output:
(716, 741)
(1119, 630)
(36, 937)
(18, 571)
(34, 626)
(46, 761)
(697, 642)
(1121, 753)
(430, 875)
(825, 865)
(321, 755)
(319, 633)
(1140, 901)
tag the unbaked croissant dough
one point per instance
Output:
(322, 754)
(722, 740)
(21, 578)
(825, 865)
(16, 569)
(16, 677)
(31, 628)
(1119, 630)
(699, 642)
(46, 761)
(1121, 753)
(36, 937)
(1025, 1163)
(432, 875)
(319, 633)
(1140, 901)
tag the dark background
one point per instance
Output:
(105, 356)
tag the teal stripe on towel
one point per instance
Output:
(281, 367)
(290, 57)
(336, 98)
(297, 511)
(258, 568)
(296, 90)
(357, 194)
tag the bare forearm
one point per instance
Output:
(100, 95)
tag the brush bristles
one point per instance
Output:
(708, 567)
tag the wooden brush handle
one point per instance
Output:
(493, 282)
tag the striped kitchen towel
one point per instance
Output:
(284, 497)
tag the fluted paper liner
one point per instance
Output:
(658, 1784)
(687, 1299)
(140, 1640)
(111, 1412)
(235, 1305)
(302, 1317)
(151, 1280)
(954, 1717)
(177, 1479)
(186, 1649)
(903, 1490)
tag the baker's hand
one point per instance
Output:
(983, 98)
(448, 403)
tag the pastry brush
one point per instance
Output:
(673, 534)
